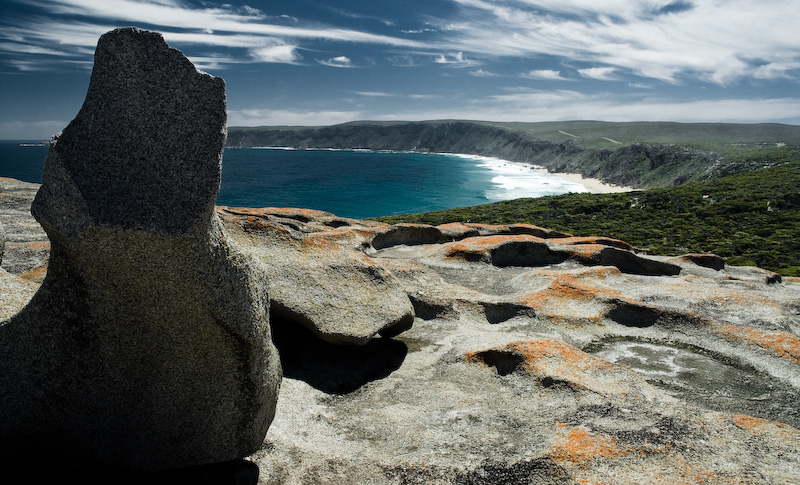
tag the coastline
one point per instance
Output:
(592, 186)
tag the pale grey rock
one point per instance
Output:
(2, 242)
(27, 247)
(148, 344)
(336, 292)
(563, 373)
(571, 372)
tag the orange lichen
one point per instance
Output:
(784, 344)
(30, 245)
(592, 240)
(311, 242)
(570, 286)
(580, 445)
(288, 212)
(36, 274)
(490, 227)
(759, 426)
(346, 233)
(545, 358)
(586, 250)
(478, 246)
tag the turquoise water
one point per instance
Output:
(348, 183)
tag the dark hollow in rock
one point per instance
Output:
(428, 310)
(633, 315)
(411, 234)
(504, 361)
(628, 262)
(501, 312)
(525, 253)
(53, 470)
(334, 368)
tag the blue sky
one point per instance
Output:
(315, 62)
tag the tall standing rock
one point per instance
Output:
(148, 344)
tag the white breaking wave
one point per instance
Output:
(515, 180)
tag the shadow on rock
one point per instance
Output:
(334, 368)
(236, 472)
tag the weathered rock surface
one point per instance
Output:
(534, 371)
(338, 293)
(148, 343)
(26, 241)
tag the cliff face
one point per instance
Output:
(635, 165)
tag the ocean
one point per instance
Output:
(348, 183)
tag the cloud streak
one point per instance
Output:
(717, 42)
(270, 39)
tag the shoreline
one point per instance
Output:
(592, 185)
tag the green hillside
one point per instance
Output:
(641, 155)
(751, 218)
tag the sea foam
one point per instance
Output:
(513, 180)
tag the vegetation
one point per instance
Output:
(729, 189)
(642, 155)
(750, 218)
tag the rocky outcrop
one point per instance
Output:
(338, 293)
(555, 372)
(148, 343)
(574, 371)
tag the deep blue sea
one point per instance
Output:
(347, 183)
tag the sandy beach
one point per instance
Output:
(594, 186)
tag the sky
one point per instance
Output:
(322, 62)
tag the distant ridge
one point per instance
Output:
(640, 154)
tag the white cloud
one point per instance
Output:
(373, 94)
(718, 42)
(599, 73)
(570, 105)
(545, 75)
(341, 61)
(457, 59)
(30, 130)
(482, 73)
(286, 54)
(266, 39)
(269, 117)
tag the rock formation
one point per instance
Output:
(148, 344)
(534, 356)
(338, 293)
(574, 371)
(539, 359)
(2, 242)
